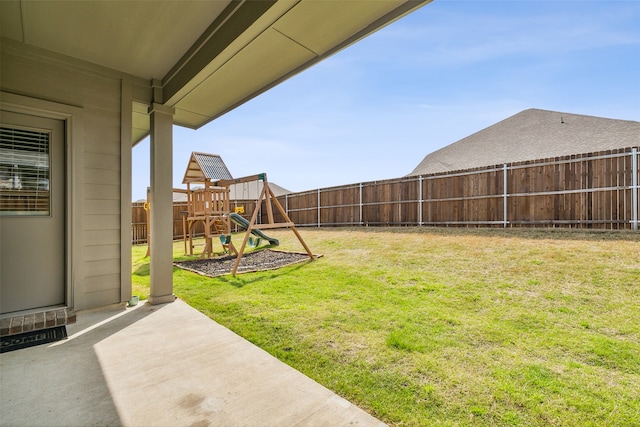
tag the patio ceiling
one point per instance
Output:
(210, 56)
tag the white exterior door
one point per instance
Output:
(32, 212)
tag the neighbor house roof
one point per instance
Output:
(244, 191)
(251, 190)
(529, 135)
(204, 57)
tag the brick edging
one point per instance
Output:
(36, 321)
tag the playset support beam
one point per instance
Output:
(267, 195)
(211, 206)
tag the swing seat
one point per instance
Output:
(253, 242)
(225, 239)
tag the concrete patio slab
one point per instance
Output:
(166, 365)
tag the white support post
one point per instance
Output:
(161, 152)
(634, 189)
(505, 196)
(126, 111)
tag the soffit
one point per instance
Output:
(340, 20)
(287, 39)
(210, 56)
(270, 56)
(141, 38)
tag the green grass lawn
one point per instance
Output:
(448, 326)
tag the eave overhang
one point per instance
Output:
(201, 58)
(255, 45)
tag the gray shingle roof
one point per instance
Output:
(251, 190)
(244, 191)
(529, 135)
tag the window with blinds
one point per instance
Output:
(24, 172)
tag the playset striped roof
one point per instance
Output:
(205, 167)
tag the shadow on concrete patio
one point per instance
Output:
(166, 365)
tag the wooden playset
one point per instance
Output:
(209, 203)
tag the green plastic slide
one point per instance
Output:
(244, 224)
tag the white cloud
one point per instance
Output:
(448, 34)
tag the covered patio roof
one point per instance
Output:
(204, 57)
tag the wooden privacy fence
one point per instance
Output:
(595, 190)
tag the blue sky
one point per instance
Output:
(450, 69)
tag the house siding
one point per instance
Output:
(43, 75)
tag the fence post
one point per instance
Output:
(360, 207)
(635, 189)
(318, 208)
(504, 197)
(420, 200)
